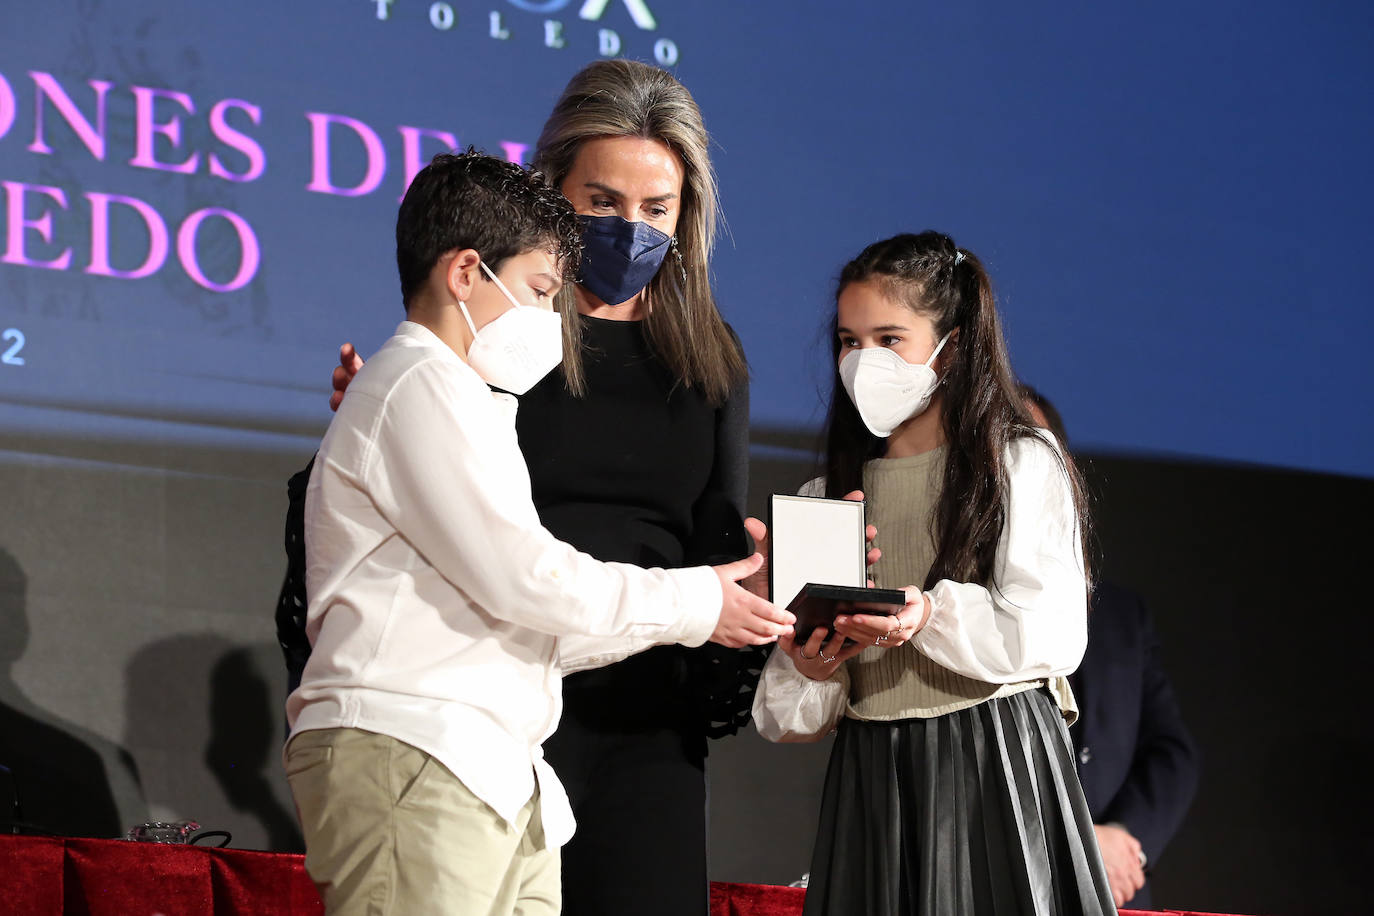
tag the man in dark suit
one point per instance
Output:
(1137, 762)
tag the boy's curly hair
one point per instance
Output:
(495, 207)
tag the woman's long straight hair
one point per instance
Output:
(983, 410)
(622, 98)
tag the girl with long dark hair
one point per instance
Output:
(951, 786)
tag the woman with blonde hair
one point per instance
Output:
(638, 453)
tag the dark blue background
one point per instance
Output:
(1173, 200)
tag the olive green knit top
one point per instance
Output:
(900, 682)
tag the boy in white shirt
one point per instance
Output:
(436, 597)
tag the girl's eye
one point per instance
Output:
(541, 294)
(848, 342)
(890, 341)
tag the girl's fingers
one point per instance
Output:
(874, 629)
(817, 639)
(870, 624)
(812, 649)
(854, 649)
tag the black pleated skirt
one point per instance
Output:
(975, 812)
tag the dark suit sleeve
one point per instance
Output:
(1164, 770)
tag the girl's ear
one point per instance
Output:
(948, 353)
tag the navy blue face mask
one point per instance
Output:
(619, 257)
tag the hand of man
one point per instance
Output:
(1121, 855)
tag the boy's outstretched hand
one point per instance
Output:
(745, 618)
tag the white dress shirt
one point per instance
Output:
(1030, 625)
(436, 597)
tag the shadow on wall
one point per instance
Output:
(64, 779)
(202, 724)
(245, 744)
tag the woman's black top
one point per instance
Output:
(617, 473)
(643, 470)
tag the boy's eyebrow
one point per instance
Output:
(607, 189)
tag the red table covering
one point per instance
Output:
(45, 876)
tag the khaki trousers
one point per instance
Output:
(389, 829)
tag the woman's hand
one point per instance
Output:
(349, 364)
(883, 630)
(757, 582)
(820, 658)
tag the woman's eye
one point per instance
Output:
(602, 202)
(848, 342)
(658, 212)
(890, 341)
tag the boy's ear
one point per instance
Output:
(460, 272)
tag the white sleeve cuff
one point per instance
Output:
(791, 707)
(701, 601)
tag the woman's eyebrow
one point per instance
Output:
(604, 188)
(612, 192)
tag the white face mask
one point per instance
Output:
(516, 348)
(886, 389)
